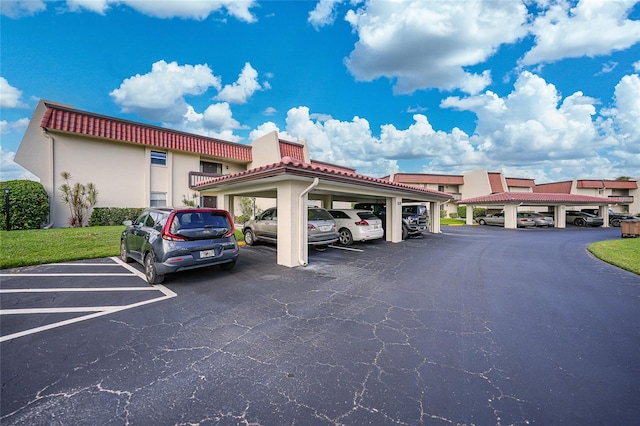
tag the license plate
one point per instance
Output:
(376, 226)
(325, 228)
(207, 253)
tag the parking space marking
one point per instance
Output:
(97, 311)
(347, 248)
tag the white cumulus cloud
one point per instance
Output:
(429, 44)
(240, 91)
(532, 122)
(323, 14)
(590, 28)
(21, 8)
(165, 9)
(10, 97)
(160, 94)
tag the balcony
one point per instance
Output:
(196, 178)
(627, 199)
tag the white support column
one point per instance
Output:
(469, 215)
(510, 216)
(225, 202)
(604, 214)
(434, 213)
(560, 216)
(394, 219)
(292, 224)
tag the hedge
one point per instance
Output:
(28, 205)
(109, 216)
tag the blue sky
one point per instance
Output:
(545, 89)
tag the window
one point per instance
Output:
(159, 158)
(158, 199)
(209, 167)
(441, 188)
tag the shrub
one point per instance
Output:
(109, 216)
(28, 205)
(462, 212)
(242, 218)
(79, 197)
(453, 215)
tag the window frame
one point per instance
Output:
(158, 158)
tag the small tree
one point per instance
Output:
(190, 202)
(246, 205)
(80, 198)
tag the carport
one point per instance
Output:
(510, 201)
(292, 183)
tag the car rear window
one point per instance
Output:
(367, 215)
(200, 224)
(338, 214)
(319, 214)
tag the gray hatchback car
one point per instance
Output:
(167, 240)
(321, 227)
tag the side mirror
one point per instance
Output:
(127, 223)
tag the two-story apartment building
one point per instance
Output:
(137, 165)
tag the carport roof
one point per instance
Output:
(292, 167)
(502, 198)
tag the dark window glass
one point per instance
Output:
(338, 214)
(159, 158)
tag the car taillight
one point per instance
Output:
(310, 227)
(172, 237)
(362, 223)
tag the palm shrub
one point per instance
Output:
(28, 205)
(79, 197)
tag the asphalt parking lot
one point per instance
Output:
(476, 325)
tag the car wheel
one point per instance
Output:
(405, 233)
(615, 222)
(579, 222)
(482, 222)
(150, 270)
(346, 239)
(228, 266)
(123, 252)
(249, 238)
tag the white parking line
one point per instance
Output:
(97, 310)
(346, 248)
(70, 290)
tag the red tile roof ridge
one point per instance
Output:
(514, 197)
(296, 164)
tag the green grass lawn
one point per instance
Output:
(39, 246)
(450, 221)
(623, 253)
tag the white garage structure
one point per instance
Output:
(510, 201)
(293, 183)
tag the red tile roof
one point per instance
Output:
(332, 166)
(537, 198)
(291, 149)
(65, 119)
(427, 178)
(610, 184)
(289, 165)
(495, 180)
(522, 183)
(553, 188)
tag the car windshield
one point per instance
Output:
(319, 214)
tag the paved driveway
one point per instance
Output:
(473, 326)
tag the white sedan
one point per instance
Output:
(356, 225)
